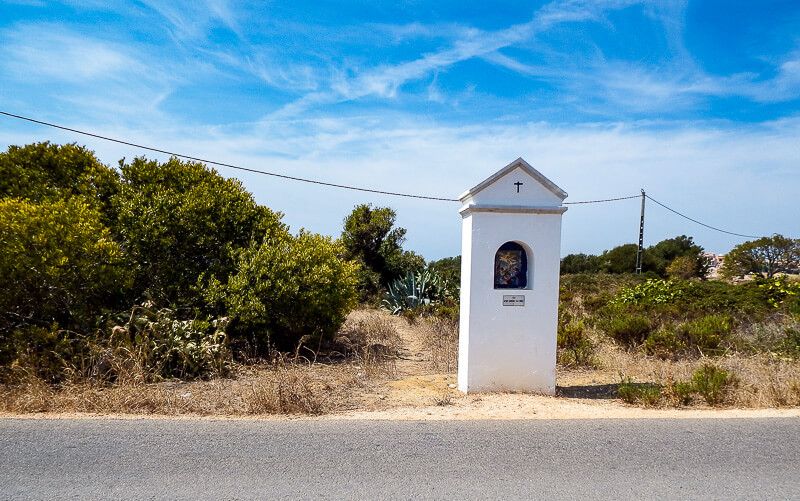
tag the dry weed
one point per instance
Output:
(278, 388)
(763, 380)
(440, 338)
(372, 339)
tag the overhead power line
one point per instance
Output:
(602, 200)
(266, 173)
(700, 222)
(223, 164)
(335, 185)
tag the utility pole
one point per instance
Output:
(641, 239)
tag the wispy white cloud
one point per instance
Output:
(598, 82)
(50, 52)
(192, 20)
(385, 80)
(97, 77)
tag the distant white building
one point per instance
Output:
(714, 263)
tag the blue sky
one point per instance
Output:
(697, 102)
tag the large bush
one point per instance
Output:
(58, 264)
(45, 171)
(179, 220)
(59, 269)
(288, 290)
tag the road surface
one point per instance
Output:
(322, 459)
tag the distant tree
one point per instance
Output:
(449, 268)
(620, 259)
(370, 238)
(661, 255)
(580, 263)
(683, 267)
(656, 259)
(764, 256)
(403, 262)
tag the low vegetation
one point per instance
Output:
(163, 287)
(685, 342)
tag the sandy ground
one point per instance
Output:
(476, 407)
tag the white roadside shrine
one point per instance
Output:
(510, 258)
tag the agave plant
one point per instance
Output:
(412, 291)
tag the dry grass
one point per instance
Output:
(763, 380)
(361, 372)
(268, 389)
(440, 338)
(370, 339)
(365, 352)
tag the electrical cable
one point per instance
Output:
(601, 201)
(324, 183)
(699, 222)
(222, 164)
(266, 173)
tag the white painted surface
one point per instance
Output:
(503, 191)
(510, 348)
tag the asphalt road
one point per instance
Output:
(594, 459)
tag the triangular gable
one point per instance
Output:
(521, 164)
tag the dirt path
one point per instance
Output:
(418, 392)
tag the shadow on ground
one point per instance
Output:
(596, 391)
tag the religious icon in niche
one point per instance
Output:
(510, 267)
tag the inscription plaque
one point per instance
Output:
(514, 300)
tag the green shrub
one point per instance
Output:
(707, 334)
(714, 296)
(47, 353)
(287, 290)
(575, 348)
(682, 391)
(42, 172)
(166, 346)
(652, 291)
(790, 344)
(58, 264)
(793, 305)
(178, 220)
(778, 289)
(647, 394)
(703, 336)
(448, 309)
(629, 329)
(712, 383)
(665, 343)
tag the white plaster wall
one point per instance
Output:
(465, 300)
(502, 192)
(509, 347)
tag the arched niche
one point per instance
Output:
(511, 262)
